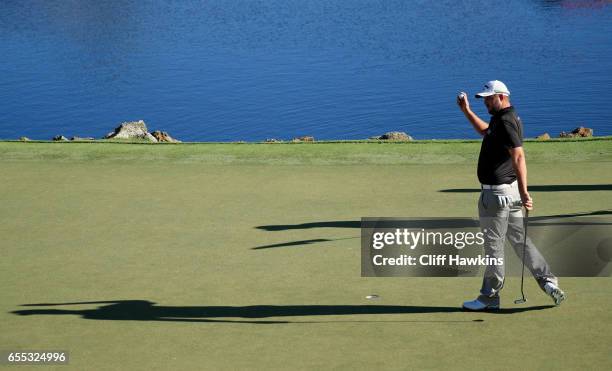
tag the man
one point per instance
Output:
(502, 172)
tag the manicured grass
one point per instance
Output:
(178, 225)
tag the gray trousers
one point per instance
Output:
(498, 223)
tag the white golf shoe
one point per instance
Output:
(554, 292)
(477, 305)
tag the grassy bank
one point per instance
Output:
(366, 152)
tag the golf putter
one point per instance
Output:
(522, 300)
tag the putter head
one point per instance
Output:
(520, 301)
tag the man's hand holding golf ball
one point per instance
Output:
(463, 102)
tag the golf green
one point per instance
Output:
(226, 256)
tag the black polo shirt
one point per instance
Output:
(494, 163)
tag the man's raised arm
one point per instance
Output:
(479, 125)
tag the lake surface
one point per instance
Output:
(224, 70)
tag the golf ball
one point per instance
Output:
(372, 297)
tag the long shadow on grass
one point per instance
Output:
(144, 310)
(450, 223)
(433, 222)
(331, 224)
(301, 243)
(416, 223)
(544, 188)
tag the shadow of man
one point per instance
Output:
(144, 310)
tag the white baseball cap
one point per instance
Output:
(492, 88)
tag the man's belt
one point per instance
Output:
(497, 186)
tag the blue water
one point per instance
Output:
(222, 70)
